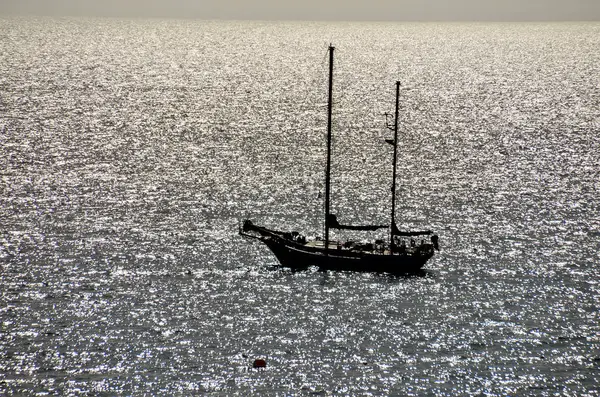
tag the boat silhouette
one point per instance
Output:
(405, 252)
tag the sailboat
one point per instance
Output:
(405, 252)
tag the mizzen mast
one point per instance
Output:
(395, 160)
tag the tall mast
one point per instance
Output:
(328, 169)
(393, 220)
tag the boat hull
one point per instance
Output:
(296, 256)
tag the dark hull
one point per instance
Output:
(297, 256)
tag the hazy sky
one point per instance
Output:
(485, 10)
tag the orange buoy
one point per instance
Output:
(259, 363)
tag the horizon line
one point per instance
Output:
(324, 20)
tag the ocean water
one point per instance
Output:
(131, 149)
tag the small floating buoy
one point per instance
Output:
(259, 363)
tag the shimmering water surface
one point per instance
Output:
(130, 149)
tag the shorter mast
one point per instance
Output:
(393, 217)
(328, 169)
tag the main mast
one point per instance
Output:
(328, 169)
(393, 220)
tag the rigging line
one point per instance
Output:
(318, 78)
(323, 61)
